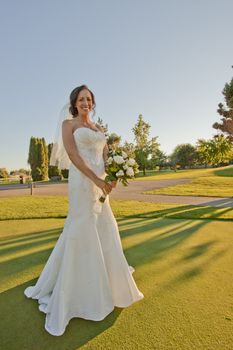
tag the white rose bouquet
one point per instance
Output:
(119, 166)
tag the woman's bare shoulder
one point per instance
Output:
(68, 124)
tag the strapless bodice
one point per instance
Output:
(90, 144)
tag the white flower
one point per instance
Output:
(118, 159)
(124, 155)
(125, 167)
(120, 173)
(130, 171)
(109, 161)
(131, 162)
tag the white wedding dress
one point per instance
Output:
(87, 273)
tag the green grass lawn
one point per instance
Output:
(203, 182)
(183, 261)
(203, 186)
(226, 171)
(15, 208)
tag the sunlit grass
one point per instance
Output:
(183, 268)
(57, 207)
(187, 173)
(218, 186)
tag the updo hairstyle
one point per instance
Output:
(73, 98)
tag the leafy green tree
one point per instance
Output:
(141, 136)
(161, 159)
(216, 151)
(153, 159)
(221, 150)
(4, 173)
(129, 148)
(21, 171)
(203, 148)
(52, 170)
(226, 112)
(184, 155)
(113, 140)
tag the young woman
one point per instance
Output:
(87, 274)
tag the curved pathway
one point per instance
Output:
(132, 192)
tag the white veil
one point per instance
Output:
(59, 156)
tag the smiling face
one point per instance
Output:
(84, 103)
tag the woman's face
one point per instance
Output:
(84, 102)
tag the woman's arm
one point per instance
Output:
(76, 159)
(105, 153)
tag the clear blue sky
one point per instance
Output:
(166, 59)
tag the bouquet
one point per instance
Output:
(119, 166)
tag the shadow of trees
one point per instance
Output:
(21, 316)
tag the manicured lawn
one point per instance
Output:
(203, 186)
(57, 206)
(183, 267)
(187, 173)
(182, 255)
(203, 182)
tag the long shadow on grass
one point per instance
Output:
(13, 265)
(22, 326)
(191, 272)
(27, 236)
(150, 224)
(15, 268)
(29, 242)
(184, 212)
(162, 235)
(189, 212)
(26, 319)
(158, 246)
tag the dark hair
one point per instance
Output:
(73, 98)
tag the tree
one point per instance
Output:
(226, 112)
(141, 135)
(113, 140)
(65, 173)
(52, 170)
(153, 157)
(21, 171)
(45, 162)
(203, 151)
(3, 173)
(38, 159)
(216, 151)
(184, 155)
(221, 150)
(160, 160)
(129, 148)
(33, 158)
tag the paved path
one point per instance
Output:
(132, 192)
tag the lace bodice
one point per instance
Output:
(90, 145)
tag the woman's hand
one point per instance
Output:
(113, 183)
(106, 187)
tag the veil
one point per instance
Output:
(59, 155)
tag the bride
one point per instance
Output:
(87, 274)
